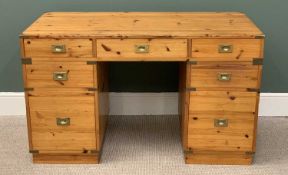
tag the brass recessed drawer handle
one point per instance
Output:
(225, 48)
(221, 122)
(142, 48)
(63, 121)
(60, 76)
(58, 48)
(224, 76)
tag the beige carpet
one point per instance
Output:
(144, 145)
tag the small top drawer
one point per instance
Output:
(225, 75)
(59, 75)
(58, 48)
(141, 49)
(227, 49)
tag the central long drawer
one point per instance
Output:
(142, 49)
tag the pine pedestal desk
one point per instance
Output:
(66, 55)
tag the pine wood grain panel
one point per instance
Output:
(102, 106)
(63, 92)
(63, 59)
(158, 48)
(183, 107)
(223, 89)
(43, 48)
(76, 103)
(40, 74)
(22, 49)
(143, 25)
(151, 59)
(24, 77)
(57, 140)
(219, 158)
(66, 158)
(225, 101)
(243, 49)
(257, 109)
(237, 136)
(46, 135)
(63, 152)
(205, 75)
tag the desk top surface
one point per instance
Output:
(143, 25)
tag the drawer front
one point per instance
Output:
(59, 74)
(222, 101)
(224, 75)
(58, 48)
(142, 48)
(62, 123)
(227, 49)
(221, 131)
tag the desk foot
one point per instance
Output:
(219, 158)
(66, 158)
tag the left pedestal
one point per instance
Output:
(66, 101)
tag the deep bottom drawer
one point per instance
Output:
(221, 131)
(62, 123)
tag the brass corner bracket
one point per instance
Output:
(192, 62)
(26, 61)
(191, 89)
(260, 36)
(91, 62)
(253, 90)
(28, 89)
(92, 89)
(34, 151)
(257, 61)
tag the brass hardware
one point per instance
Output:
(58, 48)
(63, 121)
(224, 76)
(257, 61)
(191, 89)
(253, 90)
(250, 153)
(28, 89)
(26, 61)
(259, 36)
(60, 76)
(188, 151)
(34, 151)
(192, 62)
(220, 122)
(142, 48)
(225, 48)
(92, 89)
(94, 152)
(91, 62)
